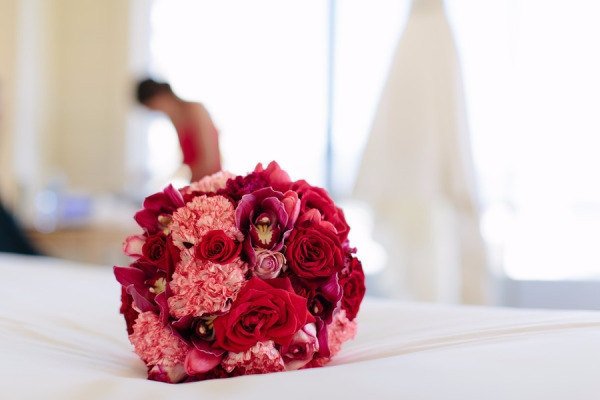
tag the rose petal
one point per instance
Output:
(133, 245)
(291, 204)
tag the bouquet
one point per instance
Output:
(237, 275)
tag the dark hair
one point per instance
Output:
(148, 88)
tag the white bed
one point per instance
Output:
(61, 337)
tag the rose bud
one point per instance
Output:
(301, 349)
(268, 263)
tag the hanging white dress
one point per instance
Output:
(416, 171)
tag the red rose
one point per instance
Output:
(217, 247)
(154, 248)
(353, 286)
(262, 311)
(313, 249)
(317, 198)
(241, 185)
(161, 252)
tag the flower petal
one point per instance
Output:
(127, 276)
(200, 361)
(142, 303)
(133, 245)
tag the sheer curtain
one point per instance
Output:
(417, 172)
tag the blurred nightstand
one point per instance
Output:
(89, 244)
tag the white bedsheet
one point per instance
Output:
(61, 337)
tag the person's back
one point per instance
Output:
(197, 134)
(199, 141)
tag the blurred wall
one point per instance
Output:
(92, 91)
(8, 45)
(65, 84)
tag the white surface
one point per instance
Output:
(61, 337)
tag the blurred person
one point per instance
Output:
(198, 136)
(12, 237)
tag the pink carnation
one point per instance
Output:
(155, 343)
(341, 330)
(203, 214)
(202, 287)
(261, 358)
(210, 183)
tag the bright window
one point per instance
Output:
(366, 35)
(531, 71)
(260, 67)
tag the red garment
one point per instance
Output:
(188, 137)
(191, 146)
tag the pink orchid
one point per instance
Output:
(202, 358)
(158, 205)
(266, 217)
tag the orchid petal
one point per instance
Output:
(163, 305)
(147, 220)
(183, 323)
(142, 303)
(323, 339)
(127, 276)
(275, 205)
(174, 196)
(200, 361)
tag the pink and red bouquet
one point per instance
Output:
(237, 275)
